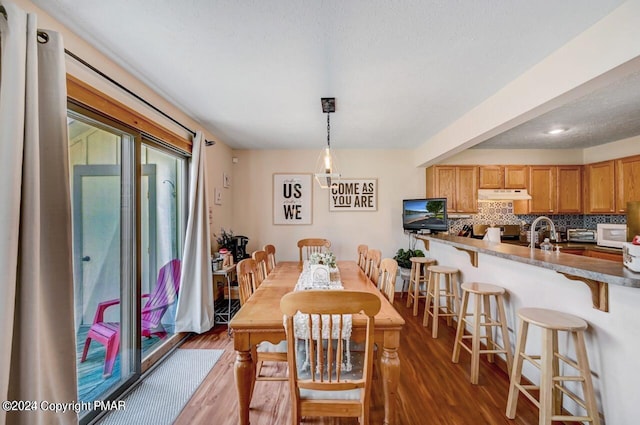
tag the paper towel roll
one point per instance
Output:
(493, 234)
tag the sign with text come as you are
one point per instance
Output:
(292, 199)
(354, 195)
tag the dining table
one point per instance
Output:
(260, 319)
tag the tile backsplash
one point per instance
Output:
(501, 212)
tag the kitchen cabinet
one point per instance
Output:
(611, 256)
(600, 188)
(543, 183)
(516, 177)
(627, 181)
(569, 189)
(491, 177)
(459, 184)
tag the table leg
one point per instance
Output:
(245, 375)
(229, 303)
(390, 363)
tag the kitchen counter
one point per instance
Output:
(592, 269)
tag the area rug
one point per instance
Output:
(160, 398)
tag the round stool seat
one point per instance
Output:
(482, 288)
(442, 269)
(552, 319)
(422, 260)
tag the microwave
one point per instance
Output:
(612, 235)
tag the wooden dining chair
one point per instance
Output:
(388, 271)
(372, 269)
(261, 266)
(362, 256)
(247, 271)
(324, 387)
(271, 257)
(311, 245)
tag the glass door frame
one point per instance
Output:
(130, 269)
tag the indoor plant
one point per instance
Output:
(403, 257)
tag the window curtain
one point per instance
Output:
(38, 349)
(195, 301)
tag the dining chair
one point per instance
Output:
(264, 351)
(318, 382)
(362, 256)
(312, 245)
(271, 257)
(388, 271)
(372, 269)
(261, 266)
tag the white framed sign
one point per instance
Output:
(292, 198)
(354, 195)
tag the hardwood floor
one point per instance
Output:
(432, 389)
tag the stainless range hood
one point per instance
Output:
(502, 194)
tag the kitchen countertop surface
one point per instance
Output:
(612, 272)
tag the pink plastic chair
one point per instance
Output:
(158, 301)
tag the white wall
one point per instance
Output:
(382, 229)
(613, 338)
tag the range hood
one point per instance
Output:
(502, 194)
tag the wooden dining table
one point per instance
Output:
(260, 319)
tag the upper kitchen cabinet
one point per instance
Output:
(516, 176)
(600, 188)
(543, 182)
(459, 184)
(569, 189)
(491, 177)
(503, 176)
(555, 189)
(628, 181)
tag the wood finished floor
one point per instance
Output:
(432, 389)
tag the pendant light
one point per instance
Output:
(326, 167)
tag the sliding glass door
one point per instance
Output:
(101, 168)
(128, 196)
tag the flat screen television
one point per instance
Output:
(425, 214)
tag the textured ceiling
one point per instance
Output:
(608, 114)
(252, 71)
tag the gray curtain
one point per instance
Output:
(37, 354)
(195, 301)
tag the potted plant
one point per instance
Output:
(403, 257)
(225, 239)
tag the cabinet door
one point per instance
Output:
(628, 179)
(467, 189)
(491, 177)
(444, 185)
(542, 188)
(516, 176)
(569, 189)
(600, 188)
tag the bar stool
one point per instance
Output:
(417, 277)
(482, 318)
(435, 292)
(552, 388)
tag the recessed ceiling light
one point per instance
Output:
(557, 131)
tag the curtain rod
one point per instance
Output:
(130, 92)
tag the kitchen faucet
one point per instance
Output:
(552, 234)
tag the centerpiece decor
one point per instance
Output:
(321, 264)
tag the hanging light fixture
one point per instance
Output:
(326, 167)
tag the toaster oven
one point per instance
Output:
(582, 235)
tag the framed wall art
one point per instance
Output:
(354, 195)
(292, 199)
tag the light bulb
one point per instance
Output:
(327, 160)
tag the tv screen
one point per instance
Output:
(425, 214)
